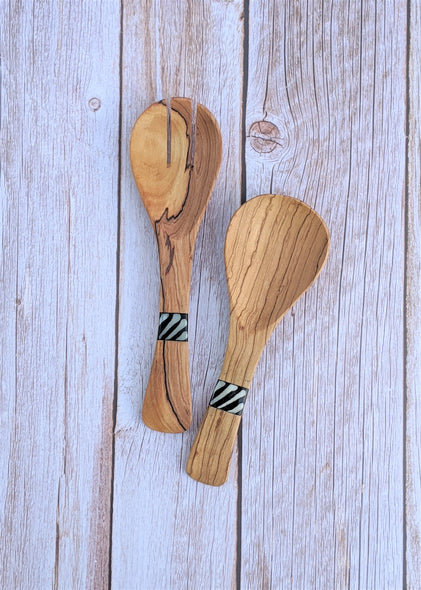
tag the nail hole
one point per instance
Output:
(94, 104)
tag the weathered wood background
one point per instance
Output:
(325, 485)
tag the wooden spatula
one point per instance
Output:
(274, 249)
(175, 156)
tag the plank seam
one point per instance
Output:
(243, 199)
(405, 292)
(117, 303)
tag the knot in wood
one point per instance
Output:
(264, 137)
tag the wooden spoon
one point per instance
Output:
(175, 188)
(274, 249)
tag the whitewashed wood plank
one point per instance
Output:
(59, 183)
(413, 309)
(168, 530)
(322, 486)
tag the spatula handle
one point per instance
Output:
(210, 455)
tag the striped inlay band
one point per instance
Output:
(173, 326)
(229, 397)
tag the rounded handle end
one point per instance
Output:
(167, 403)
(212, 448)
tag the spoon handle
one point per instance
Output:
(167, 402)
(212, 448)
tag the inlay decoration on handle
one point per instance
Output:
(173, 326)
(274, 249)
(229, 397)
(175, 153)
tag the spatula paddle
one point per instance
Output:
(175, 156)
(274, 249)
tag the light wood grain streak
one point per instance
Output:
(413, 309)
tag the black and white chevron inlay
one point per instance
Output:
(173, 326)
(229, 397)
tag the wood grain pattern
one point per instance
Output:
(275, 247)
(167, 402)
(326, 493)
(59, 167)
(175, 194)
(325, 440)
(210, 455)
(413, 310)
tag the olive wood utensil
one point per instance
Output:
(275, 247)
(175, 156)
